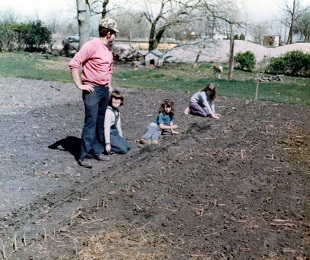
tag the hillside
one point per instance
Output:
(217, 51)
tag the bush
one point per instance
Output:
(295, 63)
(7, 37)
(32, 36)
(245, 60)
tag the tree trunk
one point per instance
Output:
(290, 35)
(83, 15)
(152, 41)
(159, 35)
(198, 56)
(231, 52)
(104, 8)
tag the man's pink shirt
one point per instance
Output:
(96, 59)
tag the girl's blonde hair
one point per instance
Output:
(169, 103)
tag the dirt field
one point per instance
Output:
(235, 188)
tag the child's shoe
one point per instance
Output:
(144, 141)
(85, 162)
(186, 111)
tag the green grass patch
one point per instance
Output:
(289, 93)
(171, 77)
(34, 66)
(183, 77)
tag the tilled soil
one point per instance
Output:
(235, 188)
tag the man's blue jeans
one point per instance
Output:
(95, 104)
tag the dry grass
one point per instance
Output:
(161, 46)
(124, 244)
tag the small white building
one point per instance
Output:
(155, 58)
(272, 41)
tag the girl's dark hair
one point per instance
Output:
(104, 31)
(210, 87)
(169, 103)
(117, 95)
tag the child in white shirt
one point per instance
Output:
(113, 135)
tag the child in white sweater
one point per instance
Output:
(113, 135)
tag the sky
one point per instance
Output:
(258, 9)
(37, 8)
(268, 9)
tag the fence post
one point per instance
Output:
(256, 93)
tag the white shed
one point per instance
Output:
(155, 58)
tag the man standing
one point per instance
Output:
(96, 59)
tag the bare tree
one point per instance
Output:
(227, 11)
(291, 16)
(302, 26)
(133, 25)
(83, 16)
(258, 30)
(104, 7)
(170, 13)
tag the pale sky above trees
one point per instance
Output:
(257, 9)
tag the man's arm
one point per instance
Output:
(78, 82)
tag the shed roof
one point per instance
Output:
(155, 52)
